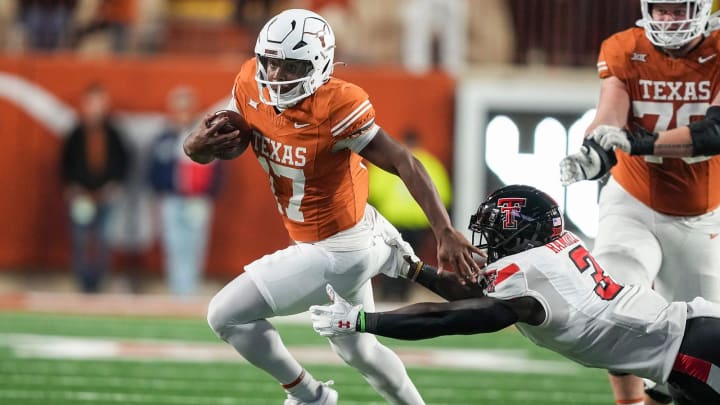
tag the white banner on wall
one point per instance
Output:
(546, 112)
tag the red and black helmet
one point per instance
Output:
(515, 218)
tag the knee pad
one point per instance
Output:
(223, 320)
(217, 321)
(239, 303)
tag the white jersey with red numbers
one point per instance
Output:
(590, 318)
(666, 93)
(309, 152)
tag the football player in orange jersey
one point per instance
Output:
(658, 114)
(311, 132)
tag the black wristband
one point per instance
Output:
(607, 157)
(642, 141)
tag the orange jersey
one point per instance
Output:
(320, 185)
(666, 93)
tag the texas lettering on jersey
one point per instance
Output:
(661, 90)
(319, 183)
(278, 152)
(666, 93)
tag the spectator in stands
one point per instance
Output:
(104, 26)
(94, 163)
(424, 22)
(185, 190)
(252, 13)
(393, 200)
(46, 23)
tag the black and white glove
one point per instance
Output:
(591, 163)
(640, 141)
(338, 318)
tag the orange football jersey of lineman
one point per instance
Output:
(666, 93)
(321, 188)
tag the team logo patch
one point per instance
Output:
(703, 59)
(638, 57)
(510, 208)
(488, 281)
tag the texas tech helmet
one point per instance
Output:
(515, 218)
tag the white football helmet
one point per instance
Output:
(295, 35)
(678, 32)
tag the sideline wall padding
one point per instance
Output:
(33, 228)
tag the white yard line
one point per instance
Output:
(65, 347)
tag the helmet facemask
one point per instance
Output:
(294, 37)
(287, 93)
(678, 32)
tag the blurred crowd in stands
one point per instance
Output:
(419, 34)
(455, 36)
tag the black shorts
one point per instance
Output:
(695, 377)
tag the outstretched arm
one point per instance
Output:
(455, 252)
(428, 320)
(701, 138)
(446, 284)
(425, 320)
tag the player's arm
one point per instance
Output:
(426, 320)
(701, 138)
(594, 161)
(454, 250)
(613, 105)
(446, 284)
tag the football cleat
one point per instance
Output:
(328, 396)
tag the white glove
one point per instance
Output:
(338, 318)
(608, 137)
(591, 163)
(579, 166)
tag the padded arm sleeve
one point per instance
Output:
(428, 320)
(705, 133)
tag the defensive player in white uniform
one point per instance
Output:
(543, 279)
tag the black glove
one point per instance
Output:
(642, 141)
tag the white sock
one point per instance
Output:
(304, 387)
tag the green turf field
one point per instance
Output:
(71, 359)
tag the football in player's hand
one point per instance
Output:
(235, 122)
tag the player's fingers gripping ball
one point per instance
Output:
(229, 143)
